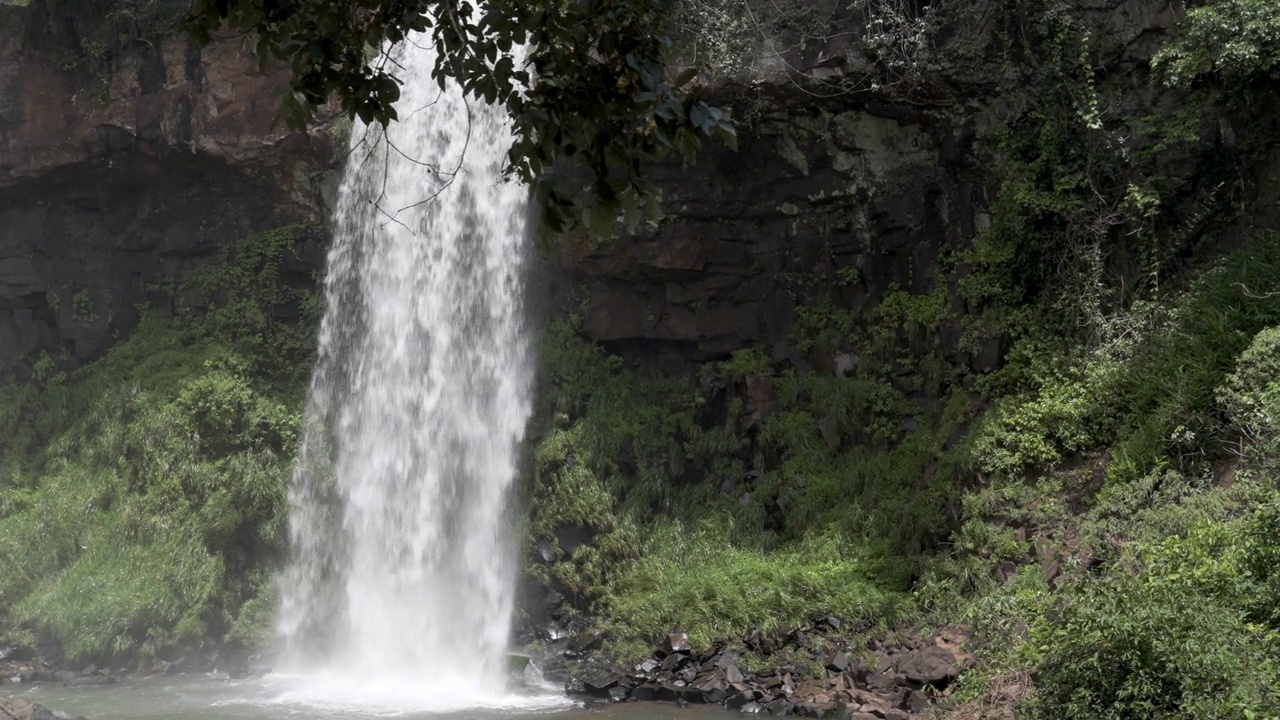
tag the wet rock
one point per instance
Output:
(737, 696)
(648, 666)
(598, 684)
(645, 693)
(692, 695)
(667, 693)
(780, 707)
(24, 709)
(714, 690)
(752, 708)
(617, 694)
(584, 643)
(674, 661)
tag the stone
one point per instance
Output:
(751, 708)
(932, 665)
(733, 674)
(816, 710)
(677, 643)
(736, 701)
(617, 694)
(648, 666)
(916, 701)
(586, 642)
(780, 707)
(725, 659)
(837, 662)
(644, 693)
(667, 693)
(546, 551)
(674, 662)
(24, 709)
(692, 695)
(599, 683)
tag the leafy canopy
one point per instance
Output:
(586, 82)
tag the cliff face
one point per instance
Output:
(843, 192)
(860, 198)
(110, 181)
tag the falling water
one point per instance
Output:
(400, 579)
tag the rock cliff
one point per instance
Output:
(114, 179)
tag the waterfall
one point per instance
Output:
(400, 575)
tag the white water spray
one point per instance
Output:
(400, 582)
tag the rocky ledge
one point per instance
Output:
(814, 670)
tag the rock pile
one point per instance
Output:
(816, 674)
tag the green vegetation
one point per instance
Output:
(689, 495)
(1102, 510)
(1115, 479)
(141, 494)
(1237, 41)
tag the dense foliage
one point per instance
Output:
(141, 496)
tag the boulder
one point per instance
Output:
(932, 665)
(837, 662)
(598, 684)
(677, 643)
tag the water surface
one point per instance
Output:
(285, 698)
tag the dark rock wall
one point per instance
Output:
(112, 182)
(857, 198)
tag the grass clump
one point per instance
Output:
(707, 581)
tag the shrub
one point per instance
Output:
(1168, 643)
(1236, 40)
